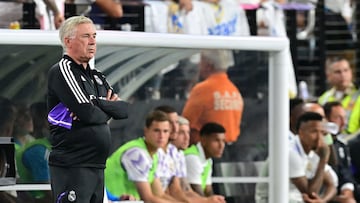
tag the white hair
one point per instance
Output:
(221, 59)
(69, 27)
(183, 121)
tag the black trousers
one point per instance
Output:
(80, 185)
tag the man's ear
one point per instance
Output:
(145, 132)
(67, 41)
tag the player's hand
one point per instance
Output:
(112, 97)
(127, 197)
(323, 150)
(58, 20)
(313, 198)
(217, 199)
(72, 115)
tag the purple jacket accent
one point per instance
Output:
(60, 116)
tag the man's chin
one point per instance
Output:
(218, 156)
(91, 55)
(86, 59)
(162, 144)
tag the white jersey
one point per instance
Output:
(156, 13)
(300, 165)
(196, 165)
(181, 165)
(225, 18)
(342, 7)
(137, 163)
(170, 164)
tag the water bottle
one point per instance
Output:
(332, 128)
(303, 90)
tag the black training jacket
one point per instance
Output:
(84, 141)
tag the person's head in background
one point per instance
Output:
(23, 127)
(38, 113)
(300, 108)
(335, 112)
(214, 61)
(157, 130)
(183, 139)
(212, 139)
(174, 120)
(295, 106)
(339, 73)
(314, 107)
(7, 117)
(311, 130)
(78, 38)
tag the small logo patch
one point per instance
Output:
(98, 80)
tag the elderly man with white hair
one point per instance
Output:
(216, 98)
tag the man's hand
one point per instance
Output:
(323, 150)
(345, 198)
(112, 97)
(73, 116)
(58, 20)
(217, 199)
(127, 197)
(313, 198)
